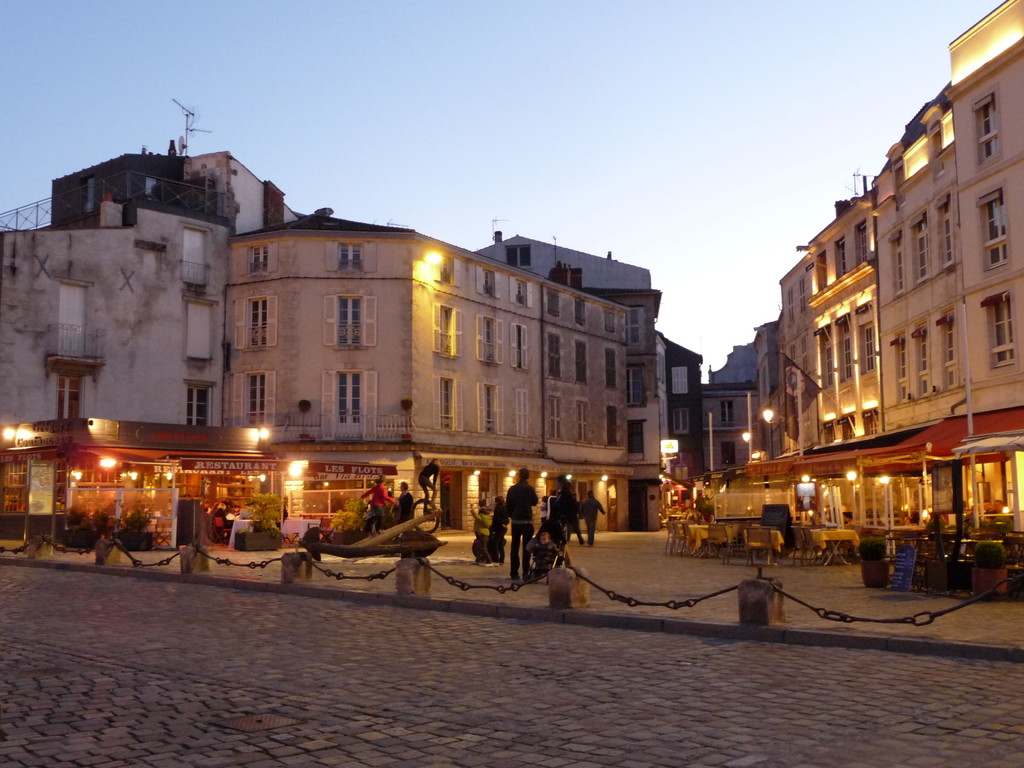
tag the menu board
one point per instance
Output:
(775, 516)
(903, 570)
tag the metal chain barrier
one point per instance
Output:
(338, 576)
(225, 561)
(136, 563)
(16, 551)
(920, 619)
(465, 586)
(633, 602)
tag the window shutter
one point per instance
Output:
(529, 295)
(479, 279)
(437, 327)
(369, 321)
(499, 412)
(458, 332)
(481, 412)
(272, 321)
(499, 341)
(437, 402)
(331, 257)
(369, 256)
(330, 321)
(457, 272)
(272, 250)
(329, 404)
(526, 345)
(271, 393)
(479, 337)
(236, 399)
(240, 305)
(458, 387)
(370, 403)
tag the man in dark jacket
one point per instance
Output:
(519, 502)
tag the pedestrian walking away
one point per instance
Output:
(565, 512)
(379, 497)
(519, 503)
(589, 509)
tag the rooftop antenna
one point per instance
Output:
(190, 128)
(494, 224)
(862, 186)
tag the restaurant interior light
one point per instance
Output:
(805, 479)
(543, 474)
(511, 473)
(568, 477)
(108, 463)
(851, 475)
(604, 478)
(476, 472)
(884, 479)
(296, 468)
(264, 433)
(9, 434)
(263, 478)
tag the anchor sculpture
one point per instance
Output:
(402, 540)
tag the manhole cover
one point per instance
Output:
(251, 723)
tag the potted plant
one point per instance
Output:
(874, 568)
(264, 517)
(133, 533)
(347, 522)
(78, 530)
(989, 567)
(705, 507)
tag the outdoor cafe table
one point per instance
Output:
(240, 524)
(699, 535)
(294, 528)
(829, 541)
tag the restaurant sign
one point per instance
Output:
(231, 466)
(350, 471)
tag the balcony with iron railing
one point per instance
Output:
(358, 427)
(76, 341)
(80, 207)
(194, 273)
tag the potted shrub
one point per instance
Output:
(78, 530)
(347, 522)
(874, 568)
(133, 532)
(989, 567)
(264, 517)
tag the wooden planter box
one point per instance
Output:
(875, 573)
(983, 579)
(247, 541)
(136, 541)
(80, 539)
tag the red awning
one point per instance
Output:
(232, 465)
(22, 454)
(92, 454)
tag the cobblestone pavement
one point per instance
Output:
(101, 671)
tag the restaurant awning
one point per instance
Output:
(83, 454)
(993, 444)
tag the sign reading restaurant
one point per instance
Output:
(232, 466)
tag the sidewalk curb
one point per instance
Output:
(589, 618)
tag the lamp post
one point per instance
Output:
(768, 414)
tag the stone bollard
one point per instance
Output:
(37, 548)
(412, 577)
(194, 562)
(759, 602)
(296, 566)
(565, 590)
(106, 552)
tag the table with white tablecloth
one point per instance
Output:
(294, 528)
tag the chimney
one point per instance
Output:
(497, 236)
(609, 255)
(273, 204)
(842, 206)
(172, 150)
(576, 277)
(559, 273)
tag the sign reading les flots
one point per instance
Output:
(350, 470)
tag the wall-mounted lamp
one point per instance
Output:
(604, 478)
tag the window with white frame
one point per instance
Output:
(920, 233)
(900, 351)
(582, 421)
(522, 412)
(841, 266)
(447, 331)
(197, 404)
(680, 421)
(553, 302)
(948, 341)
(920, 336)
(993, 212)
(489, 282)
(846, 342)
(69, 397)
(258, 259)
(680, 380)
(802, 294)
(610, 368)
(987, 127)
(868, 347)
(860, 236)
(256, 398)
(634, 385)
(350, 397)
(193, 257)
(446, 270)
(579, 310)
(634, 325)
(487, 339)
(554, 355)
(520, 292)
(581, 361)
(350, 257)
(519, 356)
(1000, 317)
(946, 233)
(898, 280)
(258, 322)
(349, 321)
(488, 398)
(446, 404)
(828, 363)
(726, 413)
(554, 417)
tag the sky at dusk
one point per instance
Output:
(701, 140)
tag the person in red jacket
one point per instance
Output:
(379, 496)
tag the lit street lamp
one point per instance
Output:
(768, 414)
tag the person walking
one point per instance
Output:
(589, 509)
(379, 496)
(499, 524)
(565, 511)
(405, 502)
(519, 502)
